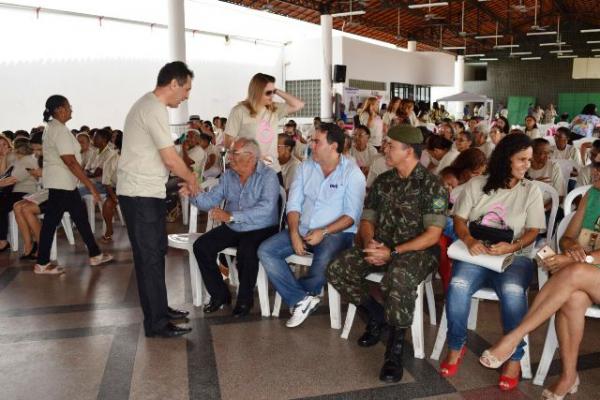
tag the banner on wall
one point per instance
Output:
(350, 100)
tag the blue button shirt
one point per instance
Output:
(253, 205)
(321, 200)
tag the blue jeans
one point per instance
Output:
(273, 252)
(83, 190)
(510, 286)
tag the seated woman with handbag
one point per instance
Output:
(497, 214)
(572, 288)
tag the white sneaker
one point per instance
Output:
(100, 259)
(302, 310)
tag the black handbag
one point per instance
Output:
(490, 235)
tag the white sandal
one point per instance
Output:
(48, 269)
(489, 360)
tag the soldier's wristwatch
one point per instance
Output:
(394, 253)
(231, 219)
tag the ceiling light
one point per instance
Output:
(454, 48)
(590, 30)
(489, 36)
(595, 50)
(593, 41)
(488, 59)
(474, 55)
(560, 51)
(541, 33)
(349, 13)
(553, 44)
(505, 46)
(427, 5)
(571, 56)
(531, 58)
(520, 53)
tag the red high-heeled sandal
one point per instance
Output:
(448, 370)
(506, 383)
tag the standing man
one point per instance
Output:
(147, 156)
(400, 229)
(323, 207)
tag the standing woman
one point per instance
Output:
(370, 118)
(257, 117)
(62, 169)
(389, 117)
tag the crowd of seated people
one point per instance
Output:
(346, 185)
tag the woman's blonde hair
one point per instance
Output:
(256, 89)
(7, 140)
(367, 108)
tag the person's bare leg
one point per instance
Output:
(108, 212)
(23, 227)
(30, 213)
(555, 293)
(570, 324)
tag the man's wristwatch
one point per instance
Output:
(325, 232)
(231, 219)
(394, 253)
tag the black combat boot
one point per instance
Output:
(372, 334)
(392, 369)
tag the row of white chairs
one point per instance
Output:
(13, 233)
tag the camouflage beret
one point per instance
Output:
(406, 134)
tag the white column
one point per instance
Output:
(178, 116)
(326, 67)
(459, 83)
(411, 45)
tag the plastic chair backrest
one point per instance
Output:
(548, 189)
(572, 195)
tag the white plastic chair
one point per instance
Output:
(185, 241)
(551, 343)
(490, 294)
(262, 281)
(89, 205)
(417, 331)
(572, 195)
(13, 230)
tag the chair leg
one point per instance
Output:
(185, 209)
(233, 276)
(53, 249)
(526, 361)
(68, 228)
(349, 321)
(13, 231)
(335, 307)
(120, 214)
(277, 305)
(472, 323)
(263, 291)
(441, 337)
(430, 302)
(416, 328)
(196, 283)
(89, 204)
(550, 346)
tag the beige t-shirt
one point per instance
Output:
(521, 207)
(378, 167)
(88, 156)
(99, 160)
(141, 171)
(448, 159)
(534, 133)
(550, 170)
(59, 141)
(109, 169)
(585, 176)
(199, 156)
(487, 148)
(263, 127)
(366, 157)
(376, 128)
(288, 170)
(25, 182)
(569, 153)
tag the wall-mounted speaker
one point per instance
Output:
(339, 73)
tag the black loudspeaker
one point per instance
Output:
(339, 73)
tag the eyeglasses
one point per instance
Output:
(269, 93)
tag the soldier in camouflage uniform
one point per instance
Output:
(401, 225)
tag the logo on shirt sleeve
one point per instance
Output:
(439, 203)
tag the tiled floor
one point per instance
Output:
(79, 336)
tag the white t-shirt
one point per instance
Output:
(534, 133)
(376, 128)
(448, 159)
(585, 176)
(569, 153)
(366, 157)
(25, 182)
(99, 160)
(198, 155)
(59, 141)
(109, 169)
(487, 148)
(288, 170)
(88, 155)
(520, 208)
(141, 171)
(550, 170)
(263, 127)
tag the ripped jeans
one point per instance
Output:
(510, 286)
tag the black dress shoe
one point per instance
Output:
(242, 309)
(216, 305)
(372, 334)
(176, 314)
(392, 369)
(169, 331)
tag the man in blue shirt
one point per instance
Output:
(250, 190)
(324, 205)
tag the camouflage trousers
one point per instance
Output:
(401, 278)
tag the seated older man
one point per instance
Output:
(250, 189)
(400, 228)
(325, 202)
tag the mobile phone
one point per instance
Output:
(545, 252)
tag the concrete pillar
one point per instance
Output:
(411, 45)
(459, 82)
(176, 19)
(326, 68)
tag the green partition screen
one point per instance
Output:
(573, 103)
(517, 109)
